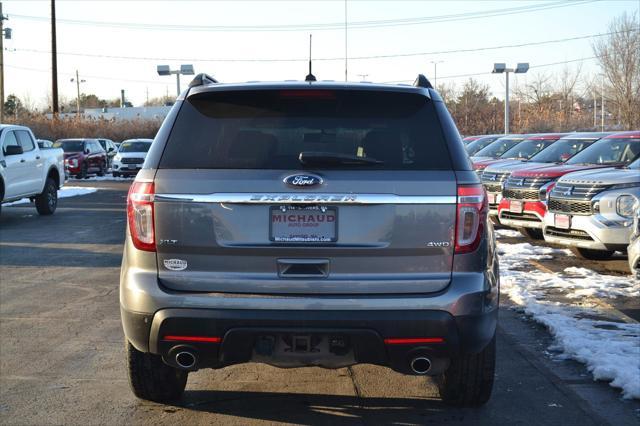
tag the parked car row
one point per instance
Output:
(580, 190)
(86, 156)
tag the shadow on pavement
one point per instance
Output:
(300, 408)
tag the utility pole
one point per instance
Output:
(595, 111)
(78, 81)
(345, 41)
(54, 61)
(1, 65)
(2, 34)
(602, 105)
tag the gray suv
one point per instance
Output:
(309, 224)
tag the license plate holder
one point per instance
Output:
(131, 166)
(562, 221)
(515, 206)
(296, 224)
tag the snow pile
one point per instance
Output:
(610, 349)
(64, 192)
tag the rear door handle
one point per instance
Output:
(37, 157)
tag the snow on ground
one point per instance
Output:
(64, 192)
(610, 349)
(101, 178)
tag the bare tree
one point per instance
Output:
(619, 57)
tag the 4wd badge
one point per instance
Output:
(175, 264)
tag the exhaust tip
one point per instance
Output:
(421, 365)
(185, 359)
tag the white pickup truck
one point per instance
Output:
(28, 171)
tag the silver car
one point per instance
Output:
(633, 251)
(592, 211)
(309, 224)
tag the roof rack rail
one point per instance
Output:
(202, 79)
(422, 81)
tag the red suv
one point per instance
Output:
(83, 157)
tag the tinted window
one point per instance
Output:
(70, 145)
(25, 140)
(103, 144)
(127, 146)
(527, 148)
(9, 139)
(609, 151)
(562, 150)
(479, 144)
(269, 129)
(498, 147)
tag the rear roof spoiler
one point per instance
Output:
(202, 79)
(422, 81)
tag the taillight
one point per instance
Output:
(470, 217)
(140, 215)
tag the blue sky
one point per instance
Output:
(168, 32)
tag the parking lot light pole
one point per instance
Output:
(499, 68)
(185, 69)
(435, 73)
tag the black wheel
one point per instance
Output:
(151, 379)
(591, 254)
(84, 171)
(532, 233)
(115, 174)
(469, 379)
(47, 200)
(103, 169)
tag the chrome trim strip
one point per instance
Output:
(299, 198)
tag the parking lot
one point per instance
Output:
(62, 353)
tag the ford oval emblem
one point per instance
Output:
(301, 181)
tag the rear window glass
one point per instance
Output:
(527, 148)
(134, 146)
(70, 146)
(497, 148)
(609, 151)
(269, 129)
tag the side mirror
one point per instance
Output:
(110, 149)
(13, 150)
(86, 150)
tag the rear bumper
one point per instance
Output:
(362, 334)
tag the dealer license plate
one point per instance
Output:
(292, 224)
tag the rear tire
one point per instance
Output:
(591, 254)
(115, 174)
(47, 200)
(532, 233)
(469, 379)
(151, 379)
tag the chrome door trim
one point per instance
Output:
(298, 198)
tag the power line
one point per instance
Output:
(319, 26)
(385, 82)
(489, 72)
(397, 55)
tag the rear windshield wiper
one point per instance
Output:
(309, 158)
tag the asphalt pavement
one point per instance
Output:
(62, 350)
